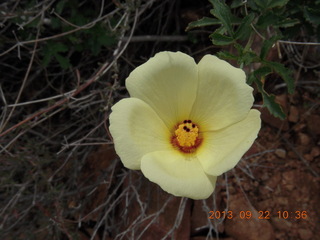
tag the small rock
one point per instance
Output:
(294, 114)
(282, 201)
(288, 176)
(304, 139)
(292, 155)
(246, 229)
(281, 224)
(305, 234)
(308, 157)
(266, 205)
(274, 181)
(281, 153)
(313, 124)
(247, 186)
(315, 152)
(288, 180)
(299, 127)
(264, 176)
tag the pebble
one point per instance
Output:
(313, 124)
(294, 114)
(305, 234)
(315, 152)
(304, 139)
(281, 153)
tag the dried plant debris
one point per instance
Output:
(63, 66)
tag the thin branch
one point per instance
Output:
(299, 43)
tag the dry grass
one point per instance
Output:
(60, 178)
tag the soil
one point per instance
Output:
(64, 191)
(273, 193)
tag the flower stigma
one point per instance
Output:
(186, 137)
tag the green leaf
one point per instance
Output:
(258, 74)
(244, 30)
(237, 3)
(226, 55)
(267, 44)
(277, 3)
(284, 72)
(47, 56)
(269, 101)
(288, 22)
(106, 39)
(203, 22)
(273, 107)
(221, 40)
(51, 49)
(262, 4)
(267, 4)
(223, 13)
(312, 15)
(63, 61)
(59, 47)
(247, 58)
(267, 19)
(60, 6)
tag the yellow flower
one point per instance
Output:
(185, 123)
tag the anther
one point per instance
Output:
(189, 121)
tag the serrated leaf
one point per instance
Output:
(312, 15)
(273, 107)
(288, 22)
(226, 55)
(237, 3)
(261, 3)
(60, 7)
(258, 74)
(267, 44)
(268, 4)
(63, 61)
(221, 40)
(106, 39)
(46, 58)
(223, 13)
(244, 29)
(277, 3)
(248, 57)
(269, 101)
(59, 47)
(203, 22)
(267, 19)
(284, 72)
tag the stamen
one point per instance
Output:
(186, 137)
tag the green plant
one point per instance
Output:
(238, 25)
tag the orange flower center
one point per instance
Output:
(186, 137)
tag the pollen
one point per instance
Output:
(186, 137)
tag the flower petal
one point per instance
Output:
(223, 96)
(137, 130)
(178, 175)
(223, 149)
(167, 82)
